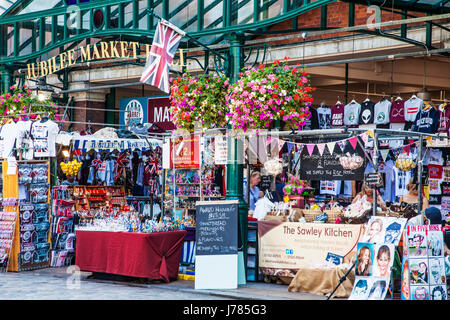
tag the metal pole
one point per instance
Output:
(375, 167)
(419, 173)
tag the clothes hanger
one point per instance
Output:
(338, 101)
(398, 98)
(413, 96)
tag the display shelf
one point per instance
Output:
(253, 273)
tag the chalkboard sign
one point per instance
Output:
(266, 183)
(374, 179)
(327, 166)
(216, 227)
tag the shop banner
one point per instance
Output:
(185, 154)
(86, 143)
(220, 150)
(159, 112)
(326, 166)
(293, 245)
(135, 111)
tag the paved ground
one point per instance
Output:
(62, 284)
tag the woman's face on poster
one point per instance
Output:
(383, 262)
(366, 256)
(375, 228)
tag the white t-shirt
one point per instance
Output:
(8, 134)
(324, 117)
(433, 156)
(401, 179)
(24, 140)
(44, 135)
(412, 107)
(382, 111)
(351, 114)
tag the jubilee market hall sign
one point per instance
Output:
(101, 50)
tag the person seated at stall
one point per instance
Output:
(367, 194)
(412, 197)
(255, 192)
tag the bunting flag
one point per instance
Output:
(364, 137)
(353, 141)
(370, 133)
(310, 148)
(300, 147)
(384, 153)
(290, 145)
(407, 148)
(430, 140)
(280, 144)
(397, 151)
(321, 148)
(341, 144)
(331, 146)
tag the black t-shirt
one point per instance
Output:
(366, 115)
(313, 122)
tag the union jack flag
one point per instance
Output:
(165, 43)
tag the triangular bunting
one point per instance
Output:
(353, 141)
(310, 148)
(300, 147)
(370, 133)
(331, 146)
(364, 137)
(321, 148)
(341, 144)
(407, 148)
(280, 144)
(290, 145)
(384, 153)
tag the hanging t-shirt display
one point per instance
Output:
(382, 111)
(351, 114)
(401, 179)
(324, 117)
(8, 135)
(444, 118)
(337, 115)
(435, 171)
(433, 156)
(367, 112)
(397, 111)
(434, 186)
(24, 141)
(412, 107)
(426, 121)
(311, 123)
(44, 136)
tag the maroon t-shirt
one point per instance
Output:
(444, 119)
(337, 115)
(398, 111)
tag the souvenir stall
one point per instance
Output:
(112, 186)
(359, 158)
(28, 151)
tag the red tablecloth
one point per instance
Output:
(144, 255)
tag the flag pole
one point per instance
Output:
(152, 12)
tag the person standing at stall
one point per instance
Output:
(255, 192)
(412, 197)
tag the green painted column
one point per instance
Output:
(235, 163)
(6, 79)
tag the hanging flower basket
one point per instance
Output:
(21, 101)
(267, 93)
(199, 101)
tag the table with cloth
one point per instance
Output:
(145, 255)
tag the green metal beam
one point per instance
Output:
(323, 17)
(351, 14)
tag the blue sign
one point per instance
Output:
(136, 111)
